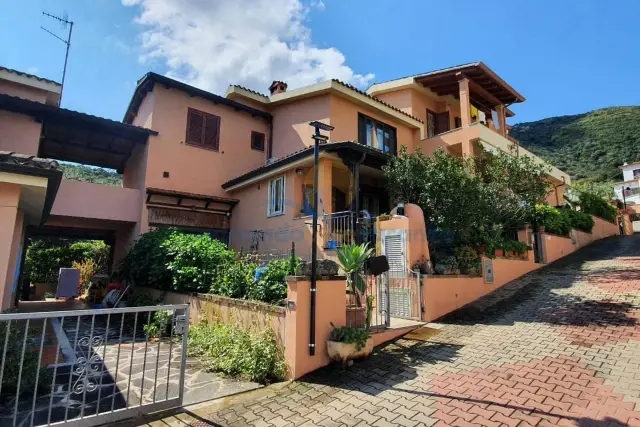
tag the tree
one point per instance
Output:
(473, 199)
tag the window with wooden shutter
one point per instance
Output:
(457, 122)
(203, 129)
(257, 141)
(437, 123)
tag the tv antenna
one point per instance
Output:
(65, 23)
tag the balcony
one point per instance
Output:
(95, 201)
(337, 229)
(454, 140)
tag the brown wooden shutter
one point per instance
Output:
(442, 122)
(195, 122)
(211, 131)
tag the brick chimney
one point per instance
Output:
(277, 87)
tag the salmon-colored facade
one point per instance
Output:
(240, 166)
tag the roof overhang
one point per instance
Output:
(147, 83)
(77, 137)
(39, 180)
(348, 151)
(487, 88)
(53, 89)
(334, 87)
(190, 201)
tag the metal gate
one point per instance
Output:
(400, 288)
(90, 367)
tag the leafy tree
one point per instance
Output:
(473, 199)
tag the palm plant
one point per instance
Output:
(352, 258)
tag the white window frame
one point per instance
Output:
(271, 202)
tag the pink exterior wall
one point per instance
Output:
(19, 133)
(443, 294)
(556, 247)
(22, 91)
(344, 117)
(330, 307)
(291, 128)
(603, 228)
(416, 103)
(10, 232)
(193, 169)
(85, 200)
(279, 231)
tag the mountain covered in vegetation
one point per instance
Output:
(590, 145)
(91, 174)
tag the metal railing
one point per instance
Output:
(337, 229)
(90, 367)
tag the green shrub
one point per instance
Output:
(236, 280)
(168, 259)
(45, 257)
(579, 220)
(561, 221)
(160, 325)
(13, 354)
(597, 206)
(467, 259)
(196, 260)
(238, 353)
(272, 286)
(349, 335)
(553, 220)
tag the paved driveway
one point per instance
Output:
(560, 346)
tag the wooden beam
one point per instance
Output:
(474, 87)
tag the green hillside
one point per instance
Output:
(91, 174)
(590, 145)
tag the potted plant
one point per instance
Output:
(351, 258)
(347, 343)
(49, 296)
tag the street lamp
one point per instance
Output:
(317, 137)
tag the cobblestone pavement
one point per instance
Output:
(560, 346)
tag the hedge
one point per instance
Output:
(561, 221)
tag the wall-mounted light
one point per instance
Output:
(299, 171)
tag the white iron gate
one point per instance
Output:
(90, 367)
(400, 288)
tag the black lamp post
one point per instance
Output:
(317, 137)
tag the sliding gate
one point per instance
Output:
(91, 367)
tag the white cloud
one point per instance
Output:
(214, 43)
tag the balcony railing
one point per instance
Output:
(338, 229)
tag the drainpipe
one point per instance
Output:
(270, 140)
(356, 194)
(317, 137)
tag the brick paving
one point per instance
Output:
(560, 346)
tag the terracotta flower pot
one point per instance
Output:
(342, 352)
(499, 252)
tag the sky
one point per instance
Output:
(564, 56)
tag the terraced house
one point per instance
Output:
(238, 166)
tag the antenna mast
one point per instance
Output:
(67, 42)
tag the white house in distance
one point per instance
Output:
(630, 185)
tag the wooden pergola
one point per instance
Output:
(473, 84)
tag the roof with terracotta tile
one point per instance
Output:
(13, 158)
(347, 85)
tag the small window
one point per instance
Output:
(257, 141)
(636, 173)
(276, 197)
(203, 129)
(457, 122)
(437, 123)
